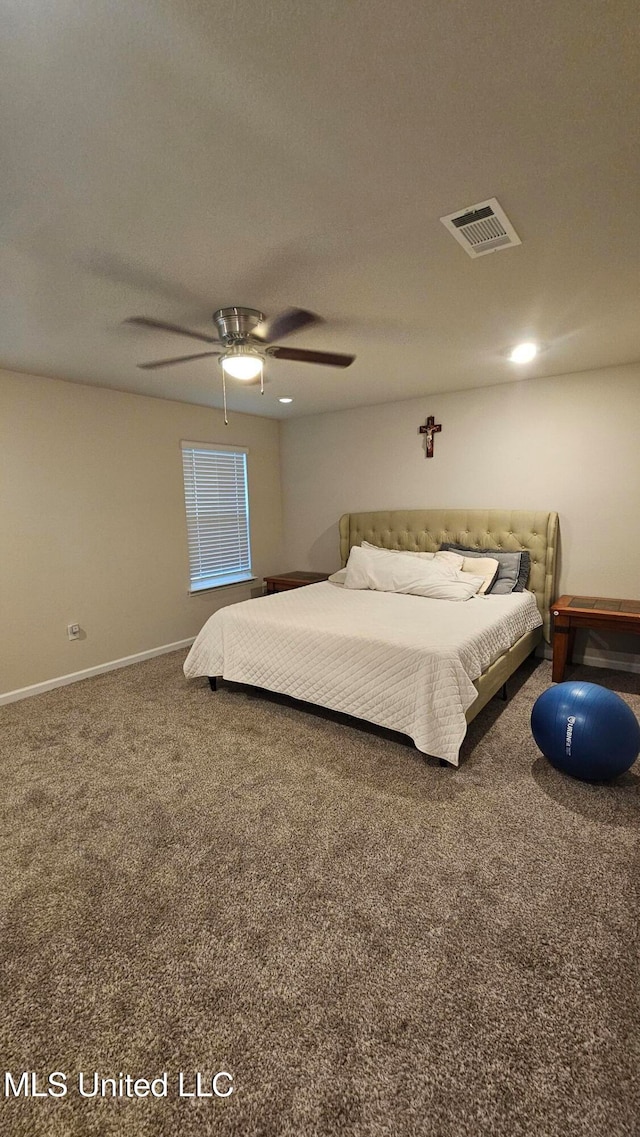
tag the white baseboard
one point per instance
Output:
(615, 660)
(76, 676)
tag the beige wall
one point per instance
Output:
(93, 523)
(92, 515)
(570, 444)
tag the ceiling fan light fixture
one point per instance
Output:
(241, 362)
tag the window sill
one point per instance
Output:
(198, 589)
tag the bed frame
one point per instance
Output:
(424, 530)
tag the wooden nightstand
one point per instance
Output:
(595, 612)
(286, 580)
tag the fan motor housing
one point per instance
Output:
(235, 325)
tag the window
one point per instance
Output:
(215, 492)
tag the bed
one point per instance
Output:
(419, 666)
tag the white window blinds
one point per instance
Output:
(217, 504)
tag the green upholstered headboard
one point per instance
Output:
(424, 530)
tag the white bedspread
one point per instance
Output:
(403, 662)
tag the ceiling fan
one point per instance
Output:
(247, 339)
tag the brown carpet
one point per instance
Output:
(368, 943)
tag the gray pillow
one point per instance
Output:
(513, 571)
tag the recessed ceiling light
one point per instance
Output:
(524, 353)
(285, 400)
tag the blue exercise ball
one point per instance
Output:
(586, 730)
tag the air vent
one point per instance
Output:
(482, 228)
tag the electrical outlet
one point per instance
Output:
(73, 631)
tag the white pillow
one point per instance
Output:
(455, 559)
(338, 577)
(486, 567)
(448, 557)
(385, 571)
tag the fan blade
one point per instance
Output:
(147, 322)
(180, 359)
(330, 359)
(284, 324)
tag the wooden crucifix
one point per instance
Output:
(430, 428)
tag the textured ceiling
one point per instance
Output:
(167, 159)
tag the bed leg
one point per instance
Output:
(213, 682)
(503, 692)
(443, 762)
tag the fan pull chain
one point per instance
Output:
(261, 378)
(224, 398)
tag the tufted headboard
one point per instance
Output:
(424, 530)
